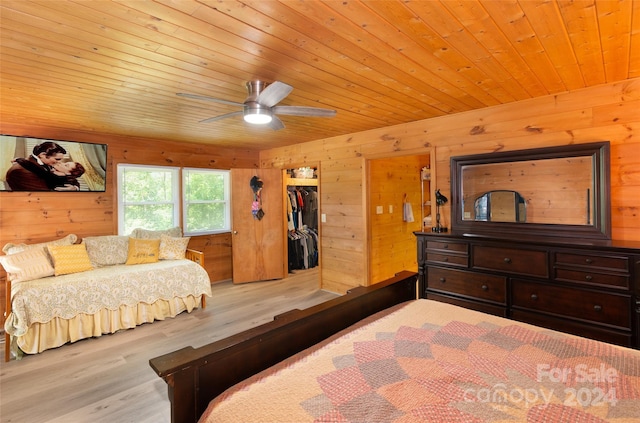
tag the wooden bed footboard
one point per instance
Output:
(196, 376)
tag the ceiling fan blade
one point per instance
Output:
(228, 115)
(217, 100)
(274, 93)
(303, 111)
(276, 124)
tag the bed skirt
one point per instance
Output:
(59, 331)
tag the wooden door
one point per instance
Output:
(257, 246)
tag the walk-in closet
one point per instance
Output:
(302, 203)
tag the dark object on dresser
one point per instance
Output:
(587, 289)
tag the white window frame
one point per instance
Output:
(179, 176)
(175, 182)
(226, 174)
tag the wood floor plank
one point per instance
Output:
(108, 379)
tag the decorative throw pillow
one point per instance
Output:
(149, 234)
(69, 258)
(16, 248)
(107, 250)
(143, 251)
(27, 265)
(172, 248)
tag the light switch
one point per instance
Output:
(379, 210)
(323, 218)
(390, 208)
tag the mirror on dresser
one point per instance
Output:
(554, 191)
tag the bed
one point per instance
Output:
(59, 292)
(401, 360)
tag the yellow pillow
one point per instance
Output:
(69, 258)
(143, 251)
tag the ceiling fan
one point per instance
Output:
(260, 107)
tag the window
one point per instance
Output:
(206, 206)
(149, 197)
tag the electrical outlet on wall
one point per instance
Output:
(379, 210)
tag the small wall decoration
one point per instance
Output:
(36, 164)
(256, 207)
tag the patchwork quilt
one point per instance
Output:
(430, 361)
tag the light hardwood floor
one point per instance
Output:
(108, 379)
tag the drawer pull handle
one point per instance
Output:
(443, 280)
(446, 259)
(597, 307)
(445, 246)
(589, 261)
(484, 287)
(507, 260)
(588, 277)
(534, 297)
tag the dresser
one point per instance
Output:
(591, 289)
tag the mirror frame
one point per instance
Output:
(601, 228)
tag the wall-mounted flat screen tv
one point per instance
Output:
(37, 164)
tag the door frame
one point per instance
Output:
(369, 202)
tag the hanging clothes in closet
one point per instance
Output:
(303, 249)
(302, 208)
(302, 224)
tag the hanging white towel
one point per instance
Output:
(408, 212)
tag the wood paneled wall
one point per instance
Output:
(607, 112)
(32, 217)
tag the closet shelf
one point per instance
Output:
(303, 182)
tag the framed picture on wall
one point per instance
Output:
(37, 164)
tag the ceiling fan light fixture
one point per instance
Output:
(261, 106)
(257, 115)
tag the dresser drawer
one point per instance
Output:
(600, 261)
(469, 284)
(592, 278)
(511, 260)
(447, 259)
(589, 330)
(482, 306)
(601, 307)
(458, 247)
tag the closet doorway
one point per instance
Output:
(302, 219)
(394, 189)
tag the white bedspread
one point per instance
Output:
(66, 296)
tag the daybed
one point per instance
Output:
(61, 291)
(414, 360)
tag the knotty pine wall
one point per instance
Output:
(32, 217)
(607, 112)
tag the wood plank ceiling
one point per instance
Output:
(116, 66)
